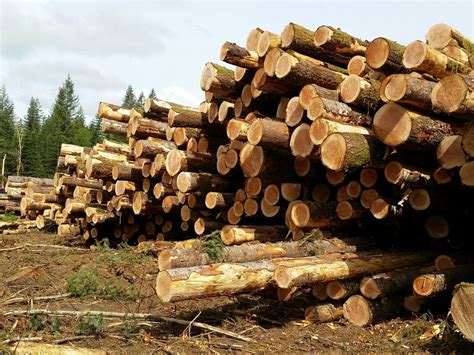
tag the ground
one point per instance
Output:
(102, 279)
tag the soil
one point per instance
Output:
(31, 267)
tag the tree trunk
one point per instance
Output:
(394, 125)
(67, 180)
(314, 270)
(336, 111)
(397, 174)
(454, 94)
(422, 58)
(298, 73)
(462, 307)
(345, 151)
(385, 55)
(340, 289)
(233, 54)
(146, 127)
(407, 89)
(113, 127)
(326, 312)
(430, 284)
(361, 312)
(335, 40)
(220, 81)
(269, 132)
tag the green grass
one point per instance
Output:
(89, 283)
(90, 325)
(9, 217)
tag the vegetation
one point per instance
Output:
(90, 325)
(8, 217)
(30, 145)
(213, 246)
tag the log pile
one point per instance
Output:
(311, 143)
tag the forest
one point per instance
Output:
(30, 145)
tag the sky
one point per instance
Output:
(107, 45)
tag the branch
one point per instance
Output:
(146, 316)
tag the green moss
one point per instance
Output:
(8, 217)
(213, 246)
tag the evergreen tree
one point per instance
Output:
(129, 100)
(7, 133)
(96, 131)
(32, 146)
(64, 125)
(152, 94)
(140, 101)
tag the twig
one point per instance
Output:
(73, 338)
(189, 325)
(146, 316)
(18, 339)
(37, 299)
(26, 245)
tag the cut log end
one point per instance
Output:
(466, 174)
(287, 36)
(302, 166)
(349, 89)
(377, 53)
(414, 54)
(357, 311)
(333, 151)
(395, 87)
(379, 208)
(367, 197)
(357, 65)
(419, 199)
(163, 286)
(300, 141)
(392, 124)
(322, 35)
(300, 214)
(449, 93)
(437, 227)
(344, 210)
(450, 153)
(368, 177)
(369, 288)
(335, 177)
(462, 306)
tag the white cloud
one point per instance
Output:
(180, 95)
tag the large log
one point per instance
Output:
(113, 112)
(190, 181)
(462, 306)
(345, 151)
(441, 35)
(146, 127)
(314, 270)
(178, 161)
(364, 94)
(336, 111)
(267, 41)
(385, 55)
(312, 214)
(395, 125)
(233, 235)
(362, 312)
(269, 132)
(407, 89)
(114, 127)
(422, 58)
(220, 80)
(321, 128)
(152, 146)
(454, 95)
(310, 91)
(254, 161)
(233, 54)
(182, 116)
(335, 40)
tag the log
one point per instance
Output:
(458, 54)
(462, 305)
(334, 40)
(345, 151)
(361, 93)
(454, 94)
(178, 161)
(252, 39)
(183, 116)
(428, 285)
(396, 173)
(146, 127)
(321, 193)
(220, 81)
(233, 54)
(254, 161)
(290, 191)
(361, 312)
(440, 35)
(67, 180)
(321, 128)
(206, 225)
(340, 289)
(468, 140)
(395, 125)
(312, 214)
(113, 112)
(301, 143)
(466, 173)
(271, 60)
(314, 270)
(127, 171)
(450, 153)
(269, 132)
(267, 41)
(387, 283)
(321, 313)
(310, 91)
(367, 197)
(300, 72)
(335, 177)
(152, 146)
(437, 227)
(336, 111)
(385, 55)
(294, 112)
(368, 177)
(358, 66)
(301, 40)
(191, 181)
(407, 89)
(350, 210)
(273, 85)
(420, 57)
(233, 235)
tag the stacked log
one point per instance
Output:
(327, 134)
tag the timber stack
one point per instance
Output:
(320, 162)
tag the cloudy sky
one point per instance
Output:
(106, 45)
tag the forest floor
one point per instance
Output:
(102, 279)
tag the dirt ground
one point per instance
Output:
(103, 279)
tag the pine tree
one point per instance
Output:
(140, 101)
(152, 94)
(96, 131)
(129, 100)
(7, 133)
(64, 125)
(32, 146)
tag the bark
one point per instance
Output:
(361, 312)
(127, 171)
(220, 80)
(394, 125)
(113, 127)
(314, 270)
(274, 85)
(334, 40)
(454, 95)
(462, 306)
(191, 181)
(145, 128)
(183, 116)
(298, 73)
(337, 111)
(364, 94)
(152, 146)
(158, 107)
(326, 312)
(310, 91)
(409, 90)
(70, 149)
(340, 289)
(346, 151)
(431, 284)
(422, 58)
(233, 54)
(269, 132)
(321, 128)
(385, 55)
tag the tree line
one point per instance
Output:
(30, 145)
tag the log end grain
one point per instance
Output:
(377, 53)
(392, 124)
